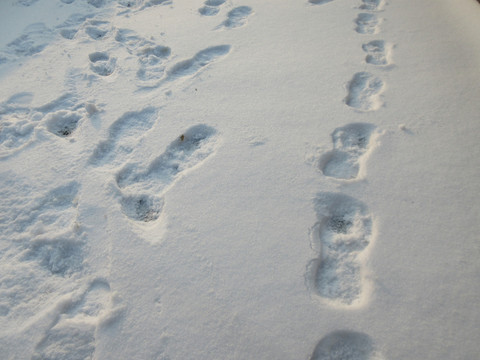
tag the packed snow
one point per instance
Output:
(238, 179)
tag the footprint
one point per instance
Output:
(214, 2)
(26, 2)
(237, 17)
(319, 2)
(56, 209)
(372, 5)
(142, 207)
(191, 67)
(63, 123)
(189, 150)
(151, 60)
(34, 39)
(128, 3)
(151, 56)
(67, 341)
(96, 3)
(70, 27)
(21, 98)
(43, 248)
(72, 335)
(346, 345)
(378, 52)
(367, 24)
(139, 5)
(350, 144)
(97, 29)
(364, 92)
(96, 33)
(149, 3)
(211, 7)
(101, 63)
(341, 234)
(68, 34)
(18, 120)
(16, 132)
(131, 40)
(123, 135)
(49, 232)
(62, 257)
(183, 154)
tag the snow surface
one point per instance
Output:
(227, 179)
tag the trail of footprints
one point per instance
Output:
(154, 66)
(364, 90)
(47, 233)
(344, 225)
(344, 230)
(153, 60)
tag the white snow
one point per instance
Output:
(226, 179)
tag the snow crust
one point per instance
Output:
(226, 179)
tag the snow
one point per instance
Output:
(228, 179)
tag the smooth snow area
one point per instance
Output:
(227, 179)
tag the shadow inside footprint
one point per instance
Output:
(345, 345)
(350, 143)
(237, 17)
(343, 223)
(63, 123)
(339, 224)
(377, 52)
(95, 33)
(364, 92)
(372, 5)
(142, 207)
(340, 165)
(319, 2)
(367, 23)
(101, 63)
(97, 3)
(214, 2)
(208, 10)
(211, 7)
